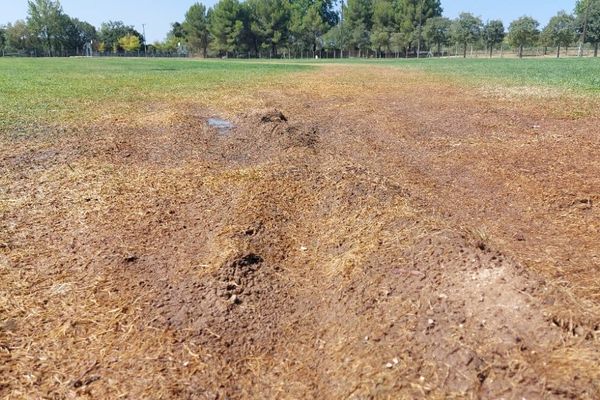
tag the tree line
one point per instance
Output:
(297, 28)
(49, 31)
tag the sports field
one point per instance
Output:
(299, 229)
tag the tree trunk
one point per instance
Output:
(465, 51)
(596, 49)
(521, 51)
(491, 50)
(558, 51)
(439, 49)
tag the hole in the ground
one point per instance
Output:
(249, 259)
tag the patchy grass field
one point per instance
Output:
(363, 230)
(574, 74)
(79, 90)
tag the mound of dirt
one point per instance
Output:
(233, 309)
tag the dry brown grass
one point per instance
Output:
(94, 236)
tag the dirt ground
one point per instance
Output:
(358, 234)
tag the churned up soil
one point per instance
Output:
(352, 233)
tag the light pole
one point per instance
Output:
(145, 45)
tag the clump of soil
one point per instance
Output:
(271, 116)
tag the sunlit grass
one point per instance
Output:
(568, 73)
(67, 90)
(578, 74)
(36, 92)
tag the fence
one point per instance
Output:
(449, 51)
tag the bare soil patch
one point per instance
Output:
(406, 241)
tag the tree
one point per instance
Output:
(269, 22)
(465, 30)
(328, 12)
(75, 34)
(314, 27)
(523, 32)
(383, 25)
(177, 31)
(560, 31)
(19, 37)
(111, 31)
(226, 26)
(195, 28)
(588, 22)
(173, 41)
(493, 34)
(360, 38)
(437, 32)
(380, 42)
(358, 16)
(86, 31)
(412, 15)
(309, 21)
(130, 43)
(44, 22)
(399, 42)
(297, 37)
(2, 38)
(336, 39)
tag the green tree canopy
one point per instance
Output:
(588, 21)
(560, 31)
(383, 25)
(110, 33)
(270, 22)
(19, 37)
(412, 15)
(358, 15)
(493, 34)
(314, 27)
(130, 43)
(44, 20)
(2, 37)
(226, 26)
(466, 29)
(195, 28)
(336, 38)
(523, 32)
(437, 32)
(328, 12)
(399, 42)
(177, 30)
(76, 33)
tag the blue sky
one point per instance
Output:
(158, 14)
